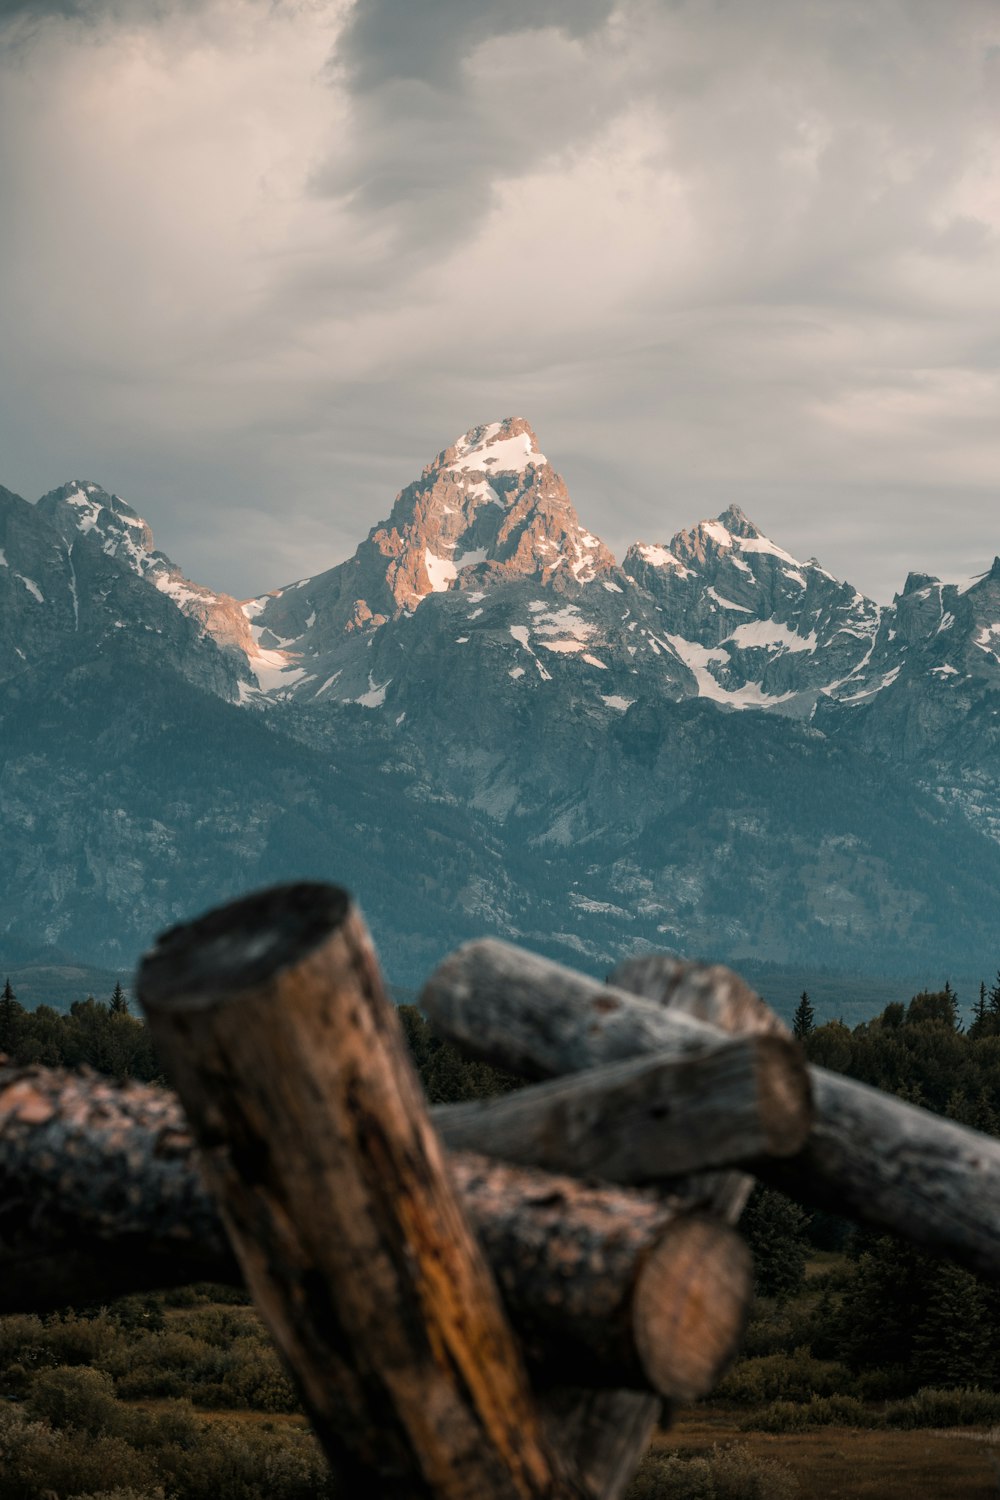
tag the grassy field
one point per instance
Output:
(843, 1463)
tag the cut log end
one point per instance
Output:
(241, 946)
(691, 1303)
(785, 1092)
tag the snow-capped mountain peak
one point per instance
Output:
(507, 447)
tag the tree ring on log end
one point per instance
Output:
(691, 1302)
(240, 946)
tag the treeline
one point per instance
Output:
(920, 1051)
(96, 1034)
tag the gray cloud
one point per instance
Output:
(262, 260)
(389, 41)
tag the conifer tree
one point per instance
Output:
(804, 1019)
(10, 1016)
(119, 1001)
(980, 1015)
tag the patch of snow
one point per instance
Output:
(375, 696)
(273, 670)
(564, 622)
(311, 621)
(461, 640)
(520, 634)
(475, 598)
(516, 672)
(594, 662)
(481, 490)
(764, 544)
(253, 607)
(72, 589)
(327, 684)
(497, 455)
(32, 587)
(946, 671)
(795, 576)
(475, 614)
(612, 588)
(659, 557)
(699, 659)
(400, 718)
(772, 635)
(982, 640)
(887, 680)
(564, 648)
(727, 603)
(176, 590)
(441, 571)
(738, 562)
(90, 510)
(614, 701)
(3, 559)
(718, 533)
(946, 623)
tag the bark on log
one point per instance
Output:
(101, 1194)
(272, 1020)
(648, 1119)
(883, 1161)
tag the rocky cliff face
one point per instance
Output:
(712, 747)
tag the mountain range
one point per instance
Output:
(483, 722)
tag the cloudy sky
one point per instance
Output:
(261, 259)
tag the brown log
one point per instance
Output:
(649, 1119)
(102, 1195)
(272, 1020)
(869, 1155)
(608, 1287)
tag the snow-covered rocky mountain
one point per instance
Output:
(489, 724)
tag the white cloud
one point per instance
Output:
(278, 254)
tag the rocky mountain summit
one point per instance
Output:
(711, 746)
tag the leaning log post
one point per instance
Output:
(100, 1194)
(885, 1162)
(271, 1018)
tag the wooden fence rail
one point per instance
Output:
(483, 1300)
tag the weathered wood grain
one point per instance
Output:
(649, 1119)
(272, 1021)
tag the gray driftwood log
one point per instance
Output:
(732, 1100)
(272, 1021)
(101, 1194)
(868, 1154)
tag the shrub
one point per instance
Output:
(36, 1460)
(75, 1397)
(738, 1475)
(782, 1377)
(951, 1408)
(726, 1473)
(666, 1476)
